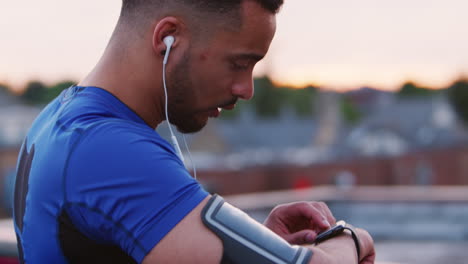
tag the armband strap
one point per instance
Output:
(247, 241)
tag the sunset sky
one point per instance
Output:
(337, 44)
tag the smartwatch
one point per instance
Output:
(337, 229)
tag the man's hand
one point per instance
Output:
(300, 222)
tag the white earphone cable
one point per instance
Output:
(165, 98)
(194, 168)
(173, 137)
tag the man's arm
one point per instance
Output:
(190, 241)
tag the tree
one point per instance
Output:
(458, 97)
(34, 92)
(55, 90)
(37, 93)
(268, 99)
(301, 100)
(410, 89)
(4, 88)
(349, 111)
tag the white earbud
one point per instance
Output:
(169, 40)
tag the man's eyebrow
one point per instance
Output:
(248, 56)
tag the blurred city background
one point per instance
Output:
(361, 104)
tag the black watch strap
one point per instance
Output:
(339, 228)
(356, 241)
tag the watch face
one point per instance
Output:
(341, 223)
(337, 229)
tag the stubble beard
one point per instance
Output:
(181, 96)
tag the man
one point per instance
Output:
(96, 184)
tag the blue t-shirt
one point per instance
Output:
(95, 183)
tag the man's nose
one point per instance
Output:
(244, 89)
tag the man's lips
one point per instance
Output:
(217, 111)
(228, 107)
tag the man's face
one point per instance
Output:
(218, 72)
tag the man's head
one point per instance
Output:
(217, 44)
(227, 12)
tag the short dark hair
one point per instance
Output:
(216, 13)
(214, 6)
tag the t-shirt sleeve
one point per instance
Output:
(128, 190)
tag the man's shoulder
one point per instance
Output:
(122, 134)
(114, 151)
(86, 108)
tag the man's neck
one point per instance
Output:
(132, 82)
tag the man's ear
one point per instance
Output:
(168, 26)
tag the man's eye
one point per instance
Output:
(239, 66)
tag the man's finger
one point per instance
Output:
(314, 214)
(302, 237)
(326, 211)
